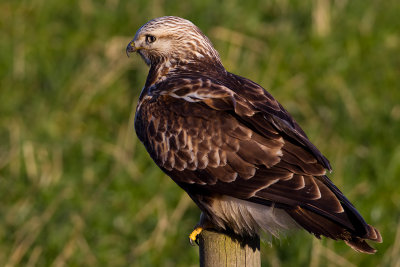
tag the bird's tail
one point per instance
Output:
(349, 227)
(319, 225)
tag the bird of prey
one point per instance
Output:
(231, 146)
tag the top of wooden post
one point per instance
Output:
(222, 249)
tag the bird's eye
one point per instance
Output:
(150, 39)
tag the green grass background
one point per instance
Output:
(78, 189)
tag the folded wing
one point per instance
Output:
(215, 139)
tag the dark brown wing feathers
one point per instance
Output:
(236, 139)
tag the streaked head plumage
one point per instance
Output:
(171, 39)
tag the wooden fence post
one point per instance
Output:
(218, 249)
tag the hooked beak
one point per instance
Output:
(130, 48)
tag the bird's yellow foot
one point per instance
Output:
(193, 236)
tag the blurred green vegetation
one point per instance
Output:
(78, 189)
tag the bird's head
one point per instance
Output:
(172, 39)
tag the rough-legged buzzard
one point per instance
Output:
(231, 146)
